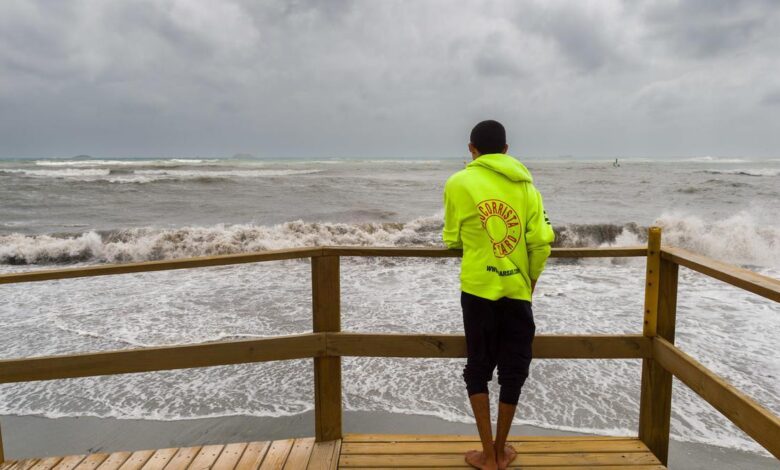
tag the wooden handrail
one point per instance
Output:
(757, 422)
(454, 345)
(163, 265)
(162, 358)
(764, 286)
(425, 252)
(277, 255)
(308, 345)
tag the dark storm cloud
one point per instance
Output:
(708, 28)
(361, 78)
(580, 34)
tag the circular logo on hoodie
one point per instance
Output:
(502, 225)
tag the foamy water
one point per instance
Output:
(374, 204)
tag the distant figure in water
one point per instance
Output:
(495, 214)
(616, 164)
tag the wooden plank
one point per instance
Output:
(764, 286)
(425, 252)
(160, 459)
(20, 464)
(70, 462)
(302, 346)
(253, 455)
(137, 460)
(114, 461)
(334, 463)
(2, 452)
(230, 456)
(183, 458)
(322, 455)
(326, 312)
(300, 454)
(162, 358)
(606, 252)
(9, 464)
(277, 454)
(757, 422)
(395, 252)
(454, 345)
(46, 463)
(655, 408)
(92, 461)
(206, 457)
(539, 447)
(523, 460)
(358, 437)
(164, 265)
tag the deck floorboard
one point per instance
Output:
(366, 451)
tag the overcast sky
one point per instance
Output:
(388, 78)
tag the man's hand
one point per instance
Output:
(533, 285)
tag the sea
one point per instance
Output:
(69, 212)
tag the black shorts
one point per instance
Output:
(498, 333)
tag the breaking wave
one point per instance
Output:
(738, 239)
(747, 172)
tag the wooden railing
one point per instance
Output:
(327, 343)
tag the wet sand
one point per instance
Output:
(32, 436)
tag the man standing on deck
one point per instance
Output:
(495, 214)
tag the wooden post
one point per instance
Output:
(2, 456)
(326, 307)
(652, 278)
(655, 408)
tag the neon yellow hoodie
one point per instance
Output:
(493, 211)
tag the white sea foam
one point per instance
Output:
(89, 174)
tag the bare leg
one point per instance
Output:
(486, 459)
(504, 454)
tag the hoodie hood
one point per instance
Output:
(503, 164)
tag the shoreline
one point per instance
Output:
(35, 436)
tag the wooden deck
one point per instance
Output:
(377, 451)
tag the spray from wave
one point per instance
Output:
(738, 239)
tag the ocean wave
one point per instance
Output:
(747, 172)
(130, 175)
(100, 163)
(709, 159)
(738, 239)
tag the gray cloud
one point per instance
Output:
(351, 78)
(771, 99)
